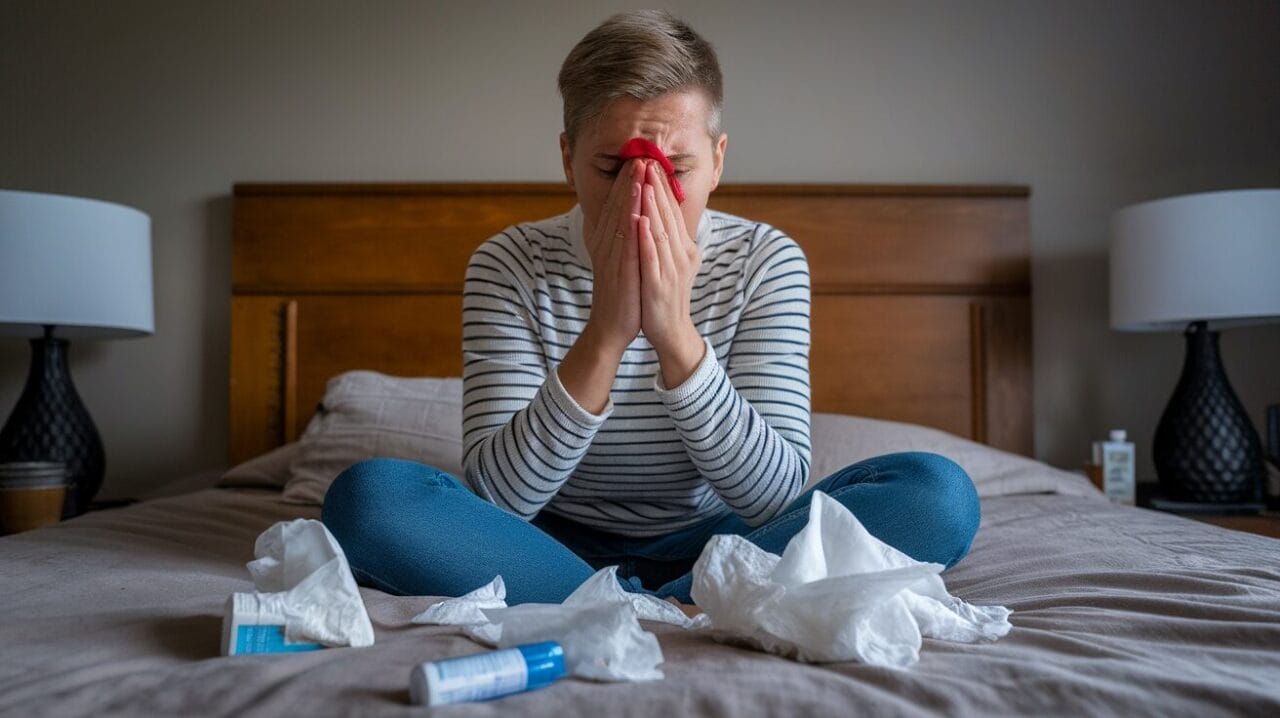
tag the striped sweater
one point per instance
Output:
(733, 437)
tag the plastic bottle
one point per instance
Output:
(488, 675)
(1116, 456)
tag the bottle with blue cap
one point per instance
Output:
(487, 675)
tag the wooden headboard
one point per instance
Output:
(921, 294)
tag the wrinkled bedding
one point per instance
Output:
(1116, 611)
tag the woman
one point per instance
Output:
(635, 372)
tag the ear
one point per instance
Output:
(566, 156)
(717, 154)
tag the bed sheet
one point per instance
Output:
(1116, 611)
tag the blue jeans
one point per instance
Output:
(412, 530)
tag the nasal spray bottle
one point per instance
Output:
(487, 675)
(1116, 458)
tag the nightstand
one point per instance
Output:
(1266, 523)
(19, 518)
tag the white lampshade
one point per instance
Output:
(82, 265)
(1213, 257)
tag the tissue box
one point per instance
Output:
(249, 626)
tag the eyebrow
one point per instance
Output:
(673, 158)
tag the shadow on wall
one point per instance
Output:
(1068, 296)
(1088, 377)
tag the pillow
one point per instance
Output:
(840, 440)
(268, 471)
(365, 414)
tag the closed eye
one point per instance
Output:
(614, 172)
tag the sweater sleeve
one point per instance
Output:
(523, 434)
(746, 427)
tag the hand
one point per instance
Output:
(612, 245)
(669, 261)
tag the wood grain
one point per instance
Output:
(857, 239)
(903, 358)
(257, 396)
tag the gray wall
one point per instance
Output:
(163, 105)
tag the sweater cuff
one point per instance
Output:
(570, 407)
(705, 372)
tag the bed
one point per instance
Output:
(924, 290)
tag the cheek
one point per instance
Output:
(697, 190)
(601, 186)
(590, 190)
(691, 211)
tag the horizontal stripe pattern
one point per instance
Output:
(733, 437)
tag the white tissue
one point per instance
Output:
(597, 625)
(603, 587)
(302, 574)
(837, 593)
(465, 610)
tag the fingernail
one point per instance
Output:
(635, 189)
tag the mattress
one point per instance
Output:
(1117, 610)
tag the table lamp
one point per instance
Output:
(69, 267)
(1200, 263)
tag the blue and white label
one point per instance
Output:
(267, 639)
(479, 677)
(487, 675)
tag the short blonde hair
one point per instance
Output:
(641, 54)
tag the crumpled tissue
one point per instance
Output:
(837, 593)
(304, 581)
(597, 625)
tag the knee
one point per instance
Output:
(366, 488)
(943, 492)
(933, 472)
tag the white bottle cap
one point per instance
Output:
(1119, 435)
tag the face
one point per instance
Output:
(676, 122)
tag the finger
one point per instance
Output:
(618, 231)
(672, 221)
(604, 225)
(631, 253)
(635, 197)
(651, 207)
(662, 239)
(650, 270)
(637, 194)
(673, 217)
(607, 224)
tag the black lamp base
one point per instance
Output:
(50, 423)
(1206, 450)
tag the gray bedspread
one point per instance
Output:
(1116, 612)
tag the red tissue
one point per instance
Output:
(640, 147)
